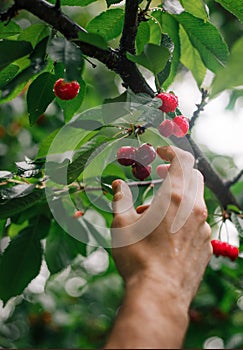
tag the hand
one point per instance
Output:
(168, 241)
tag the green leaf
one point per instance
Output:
(61, 50)
(46, 143)
(191, 58)
(206, 39)
(61, 249)
(7, 74)
(73, 2)
(16, 85)
(171, 27)
(40, 95)
(70, 107)
(8, 30)
(233, 6)
(96, 234)
(14, 206)
(195, 7)
(16, 191)
(230, 76)
(2, 227)
(111, 2)
(143, 36)
(12, 50)
(154, 57)
(5, 175)
(34, 33)
(20, 263)
(108, 24)
(93, 39)
(235, 94)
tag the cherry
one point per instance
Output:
(78, 214)
(181, 126)
(166, 128)
(66, 90)
(170, 102)
(145, 154)
(224, 249)
(141, 172)
(126, 155)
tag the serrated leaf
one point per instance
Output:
(34, 33)
(16, 191)
(93, 39)
(7, 74)
(14, 206)
(70, 107)
(40, 95)
(61, 249)
(5, 175)
(20, 263)
(206, 39)
(111, 2)
(16, 85)
(230, 76)
(196, 8)
(233, 6)
(171, 27)
(108, 24)
(191, 59)
(8, 30)
(153, 57)
(142, 37)
(73, 2)
(62, 50)
(12, 50)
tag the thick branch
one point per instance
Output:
(130, 27)
(212, 179)
(129, 73)
(111, 58)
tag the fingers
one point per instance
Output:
(122, 201)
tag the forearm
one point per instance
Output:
(151, 316)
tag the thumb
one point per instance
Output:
(122, 203)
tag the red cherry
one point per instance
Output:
(216, 244)
(233, 252)
(141, 172)
(126, 155)
(166, 128)
(181, 126)
(78, 214)
(66, 90)
(145, 154)
(170, 102)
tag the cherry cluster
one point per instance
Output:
(138, 158)
(224, 249)
(179, 125)
(66, 90)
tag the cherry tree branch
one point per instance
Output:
(235, 179)
(128, 71)
(113, 60)
(127, 42)
(200, 108)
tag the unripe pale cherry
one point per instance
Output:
(181, 126)
(169, 100)
(126, 155)
(166, 128)
(145, 154)
(66, 90)
(141, 172)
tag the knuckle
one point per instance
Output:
(200, 212)
(176, 198)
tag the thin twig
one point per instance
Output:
(200, 107)
(234, 180)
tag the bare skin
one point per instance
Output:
(162, 271)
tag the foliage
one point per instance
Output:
(59, 288)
